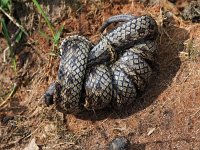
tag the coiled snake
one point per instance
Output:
(112, 72)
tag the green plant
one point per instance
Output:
(5, 8)
(8, 40)
(55, 34)
(6, 5)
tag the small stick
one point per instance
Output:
(12, 40)
(14, 21)
(10, 95)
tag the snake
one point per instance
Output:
(109, 73)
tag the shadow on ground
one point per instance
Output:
(167, 62)
(15, 109)
(138, 146)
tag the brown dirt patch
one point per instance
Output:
(166, 116)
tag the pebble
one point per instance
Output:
(120, 143)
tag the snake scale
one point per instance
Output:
(110, 73)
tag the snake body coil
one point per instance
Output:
(98, 88)
(122, 37)
(111, 72)
(72, 73)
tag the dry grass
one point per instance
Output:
(164, 117)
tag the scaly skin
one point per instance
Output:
(98, 88)
(130, 75)
(111, 72)
(124, 90)
(136, 68)
(117, 18)
(71, 74)
(145, 49)
(125, 36)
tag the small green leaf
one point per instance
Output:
(7, 37)
(19, 36)
(5, 31)
(57, 35)
(14, 63)
(44, 15)
(4, 3)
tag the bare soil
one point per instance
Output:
(165, 116)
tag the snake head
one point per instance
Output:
(49, 96)
(58, 95)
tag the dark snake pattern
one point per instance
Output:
(112, 72)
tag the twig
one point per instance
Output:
(12, 40)
(4, 52)
(19, 140)
(196, 10)
(10, 95)
(14, 21)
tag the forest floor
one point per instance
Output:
(166, 116)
